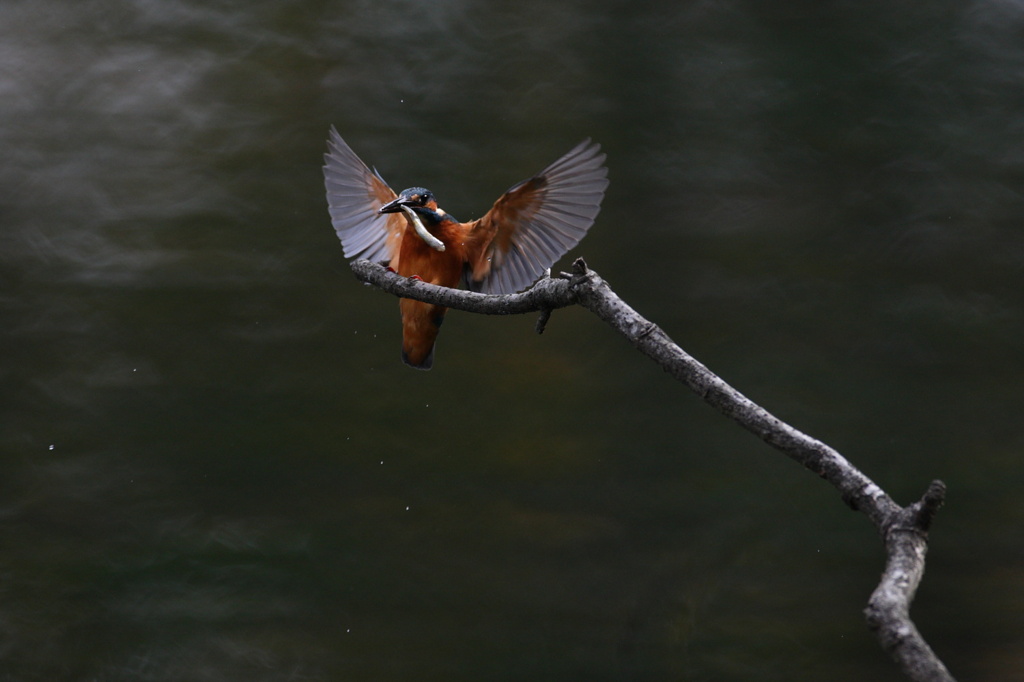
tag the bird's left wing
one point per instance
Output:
(536, 222)
(354, 193)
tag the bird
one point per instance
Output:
(533, 224)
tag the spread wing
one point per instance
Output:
(354, 193)
(536, 222)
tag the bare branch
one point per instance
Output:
(546, 294)
(888, 610)
(903, 529)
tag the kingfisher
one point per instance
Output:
(528, 228)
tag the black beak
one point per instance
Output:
(394, 206)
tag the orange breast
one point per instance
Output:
(436, 267)
(422, 321)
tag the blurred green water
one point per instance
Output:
(215, 467)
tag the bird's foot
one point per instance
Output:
(416, 277)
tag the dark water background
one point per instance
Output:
(214, 466)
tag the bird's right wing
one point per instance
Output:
(354, 193)
(537, 221)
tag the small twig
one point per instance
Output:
(904, 530)
(929, 505)
(542, 320)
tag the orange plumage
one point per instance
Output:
(529, 227)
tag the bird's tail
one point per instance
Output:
(421, 323)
